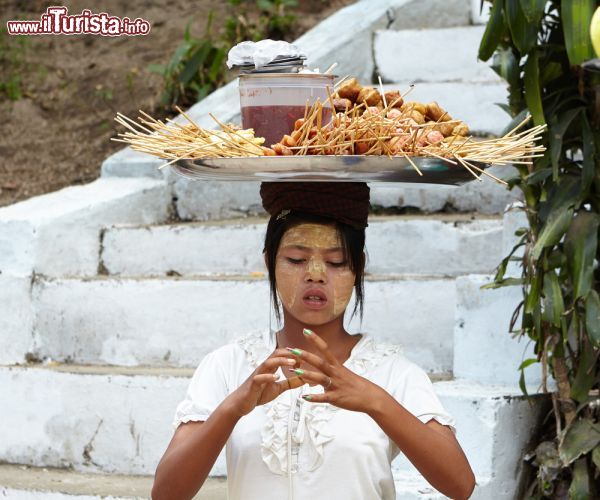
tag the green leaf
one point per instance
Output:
(553, 230)
(515, 121)
(576, 18)
(217, 64)
(584, 378)
(580, 484)
(533, 10)
(522, 384)
(524, 34)
(533, 93)
(554, 305)
(578, 439)
(195, 62)
(538, 176)
(506, 65)
(596, 457)
(567, 193)
(528, 362)
(589, 153)
(533, 294)
(592, 317)
(581, 243)
(549, 72)
(557, 132)
(493, 31)
(502, 283)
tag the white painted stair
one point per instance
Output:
(111, 293)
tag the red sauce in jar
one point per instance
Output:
(273, 122)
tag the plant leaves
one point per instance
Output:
(506, 66)
(576, 18)
(553, 230)
(502, 283)
(581, 243)
(515, 121)
(589, 152)
(549, 72)
(580, 484)
(195, 62)
(557, 132)
(579, 438)
(596, 456)
(493, 31)
(533, 92)
(554, 305)
(584, 379)
(592, 317)
(533, 294)
(533, 10)
(524, 34)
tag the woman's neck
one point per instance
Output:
(340, 342)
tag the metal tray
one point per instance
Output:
(326, 168)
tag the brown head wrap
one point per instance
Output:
(346, 202)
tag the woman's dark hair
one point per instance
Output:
(353, 244)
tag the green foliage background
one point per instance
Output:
(538, 47)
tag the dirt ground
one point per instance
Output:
(59, 133)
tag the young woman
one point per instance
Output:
(311, 411)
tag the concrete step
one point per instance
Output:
(176, 321)
(209, 200)
(442, 244)
(432, 55)
(121, 424)
(23, 482)
(59, 233)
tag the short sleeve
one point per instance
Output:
(207, 389)
(416, 393)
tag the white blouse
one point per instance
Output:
(294, 449)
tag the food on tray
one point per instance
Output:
(365, 121)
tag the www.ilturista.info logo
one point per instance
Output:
(56, 21)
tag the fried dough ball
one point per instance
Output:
(393, 98)
(349, 89)
(461, 129)
(417, 116)
(417, 106)
(342, 104)
(443, 127)
(436, 113)
(370, 96)
(434, 137)
(394, 114)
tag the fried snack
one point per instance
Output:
(417, 116)
(342, 105)
(436, 113)
(349, 89)
(416, 106)
(461, 129)
(443, 127)
(369, 95)
(393, 98)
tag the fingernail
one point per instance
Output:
(306, 331)
(297, 371)
(307, 396)
(295, 351)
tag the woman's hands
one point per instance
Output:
(343, 388)
(262, 386)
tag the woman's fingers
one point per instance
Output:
(311, 359)
(316, 398)
(310, 376)
(321, 345)
(271, 364)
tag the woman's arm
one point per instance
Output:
(191, 455)
(432, 447)
(195, 446)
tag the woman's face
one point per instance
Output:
(314, 281)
